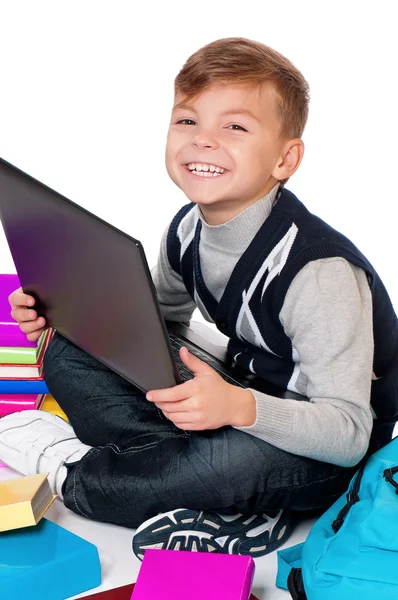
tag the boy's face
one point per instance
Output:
(222, 148)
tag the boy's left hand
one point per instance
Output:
(205, 402)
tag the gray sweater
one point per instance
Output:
(327, 313)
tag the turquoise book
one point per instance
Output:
(46, 562)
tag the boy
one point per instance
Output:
(303, 308)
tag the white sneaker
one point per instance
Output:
(35, 441)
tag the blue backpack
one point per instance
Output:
(352, 550)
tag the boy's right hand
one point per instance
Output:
(27, 319)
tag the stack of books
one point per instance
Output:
(22, 385)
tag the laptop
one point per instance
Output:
(92, 283)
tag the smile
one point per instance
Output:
(205, 170)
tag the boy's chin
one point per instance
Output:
(204, 199)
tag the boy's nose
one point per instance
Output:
(204, 139)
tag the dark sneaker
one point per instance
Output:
(196, 531)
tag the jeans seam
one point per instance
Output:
(74, 489)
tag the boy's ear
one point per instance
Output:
(290, 159)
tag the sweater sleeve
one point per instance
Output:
(327, 314)
(175, 302)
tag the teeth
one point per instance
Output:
(205, 174)
(210, 170)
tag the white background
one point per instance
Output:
(86, 89)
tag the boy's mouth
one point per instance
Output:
(205, 169)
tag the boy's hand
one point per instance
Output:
(205, 402)
(27, 319)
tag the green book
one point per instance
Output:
(10, 355)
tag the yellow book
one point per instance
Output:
(51, 405)
(23, 501)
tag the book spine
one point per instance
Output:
(23, 386)
(16, 356)
(25, 355)
(6, 408)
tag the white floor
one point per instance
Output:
(120, 566)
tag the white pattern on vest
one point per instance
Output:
(246, 326)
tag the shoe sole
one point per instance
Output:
(205, 538)
(185, 538)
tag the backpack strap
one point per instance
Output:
(295, 585)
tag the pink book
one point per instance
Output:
(10, 333)
(10, 403)
(179, 575)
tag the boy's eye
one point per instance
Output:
(236, 127)
(185, 122)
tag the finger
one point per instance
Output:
(18, 298)
(22, 315)
(173, 408)
(181, 420)
(194, 363)
(33, 326)
(174, 394)
(33, 337)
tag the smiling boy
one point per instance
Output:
(303, 309)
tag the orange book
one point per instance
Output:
(50, 405)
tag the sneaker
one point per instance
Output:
(34, 441)
(195, 531)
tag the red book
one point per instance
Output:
(124, 593)
(120, 593)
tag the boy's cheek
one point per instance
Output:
(169, 160)
(172, 170)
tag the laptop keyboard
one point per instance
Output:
(176, 344)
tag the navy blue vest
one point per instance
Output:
(248, 312)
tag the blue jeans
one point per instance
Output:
(142, 464)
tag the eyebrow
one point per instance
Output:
(233, 111)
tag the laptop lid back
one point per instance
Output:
(91, 281)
